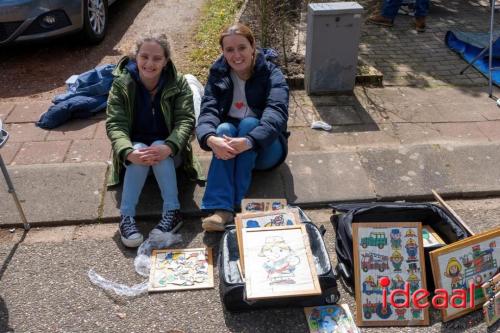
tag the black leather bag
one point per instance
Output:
(232, 288)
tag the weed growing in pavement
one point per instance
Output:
(216, 14)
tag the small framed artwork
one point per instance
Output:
(181, 269)
(430, 237)
(330, 319)
(278, 218)
(262, 205)
(279, 263)
(492, 286)
(491, 310)
(462, 267)
(388, 257)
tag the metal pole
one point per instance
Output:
(490, 60)
(13, 192)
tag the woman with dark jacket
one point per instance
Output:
(150, 118)
(243, 121)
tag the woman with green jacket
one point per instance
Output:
(150, 119)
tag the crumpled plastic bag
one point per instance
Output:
(142, 264)
(198, 92)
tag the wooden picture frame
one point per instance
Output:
(394, 252)
(330, 318)
(181, 269)
(289, 216)
(492, 286)
(455, 265)
(491, 310)
(279, 263)
(430, 237)
(262, 205)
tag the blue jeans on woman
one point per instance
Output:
(390, 8)
(228, 180)
(135, 177)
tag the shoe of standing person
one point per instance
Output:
(380, 20)
(420, 24)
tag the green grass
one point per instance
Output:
(216, 15)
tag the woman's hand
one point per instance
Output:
(238, 144)
(221, 148)
(149, 155)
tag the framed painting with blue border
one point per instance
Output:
(262, 205)
(389, 256)
(461, 268)
(277, 218)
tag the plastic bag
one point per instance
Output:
(198, 92)
(142, 264)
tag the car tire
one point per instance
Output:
(95, 20)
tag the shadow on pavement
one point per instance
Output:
(31, 66)
(4, 317)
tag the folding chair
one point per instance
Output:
(4, 136)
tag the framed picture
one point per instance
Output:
(492, 286)
(330, 318)
(430, 237)
(283, 217)
(279, 263)
(463, 264)
(181, 269)
(491, 310)
(388, 256)
(262, 205)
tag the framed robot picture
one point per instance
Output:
(389, 268)
(461, 268)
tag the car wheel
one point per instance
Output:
(95, 20)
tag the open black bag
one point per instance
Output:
(232, 287)
(445, 225)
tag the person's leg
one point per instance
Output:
(219, 192)
(270, 156)
(390, 8)
(135, 177)
(421, 8)
(166, 178)
(245, 162)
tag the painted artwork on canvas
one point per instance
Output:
(466, 265)
(330, 319)
(278, 262)
(388, 256)
(178, 269)
(491, 310)
(262, 205)
(430, 237)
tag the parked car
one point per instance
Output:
(25, 20)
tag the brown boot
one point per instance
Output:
(420, 24)
(217, 221)
(380, 20)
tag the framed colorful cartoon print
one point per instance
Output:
(388, 267)
(262, 205)
(279, 263)
(462, 267)
(330, 319)
(180, 269)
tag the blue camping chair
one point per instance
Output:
(4, 136)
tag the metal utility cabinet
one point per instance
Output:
(333, 31)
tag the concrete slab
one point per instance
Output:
(28, 112)
(321, 178)
(54, 193)
(25, 132)
(5, 109)
(412, 171)
(42, 152)
(95, 150)
(9, 151)
(81, 129)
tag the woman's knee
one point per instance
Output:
(139, 145)
(226, 129)
(246, 125)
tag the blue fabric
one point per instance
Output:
(76, 107)
(390, 8)
(135, 177)
(267, 95)
(228, 181)
(470, 44)
(83, 99)
(149, 122)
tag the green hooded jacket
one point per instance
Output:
(177, 108)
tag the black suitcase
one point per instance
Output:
(232, 288)
(445, 225)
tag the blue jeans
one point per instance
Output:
(228, 180)
(135, 177)
(390, 8)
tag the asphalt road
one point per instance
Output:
(44, 285)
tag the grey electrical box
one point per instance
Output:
(333, 31)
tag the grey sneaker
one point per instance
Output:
(171, 221)
(131, 237)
